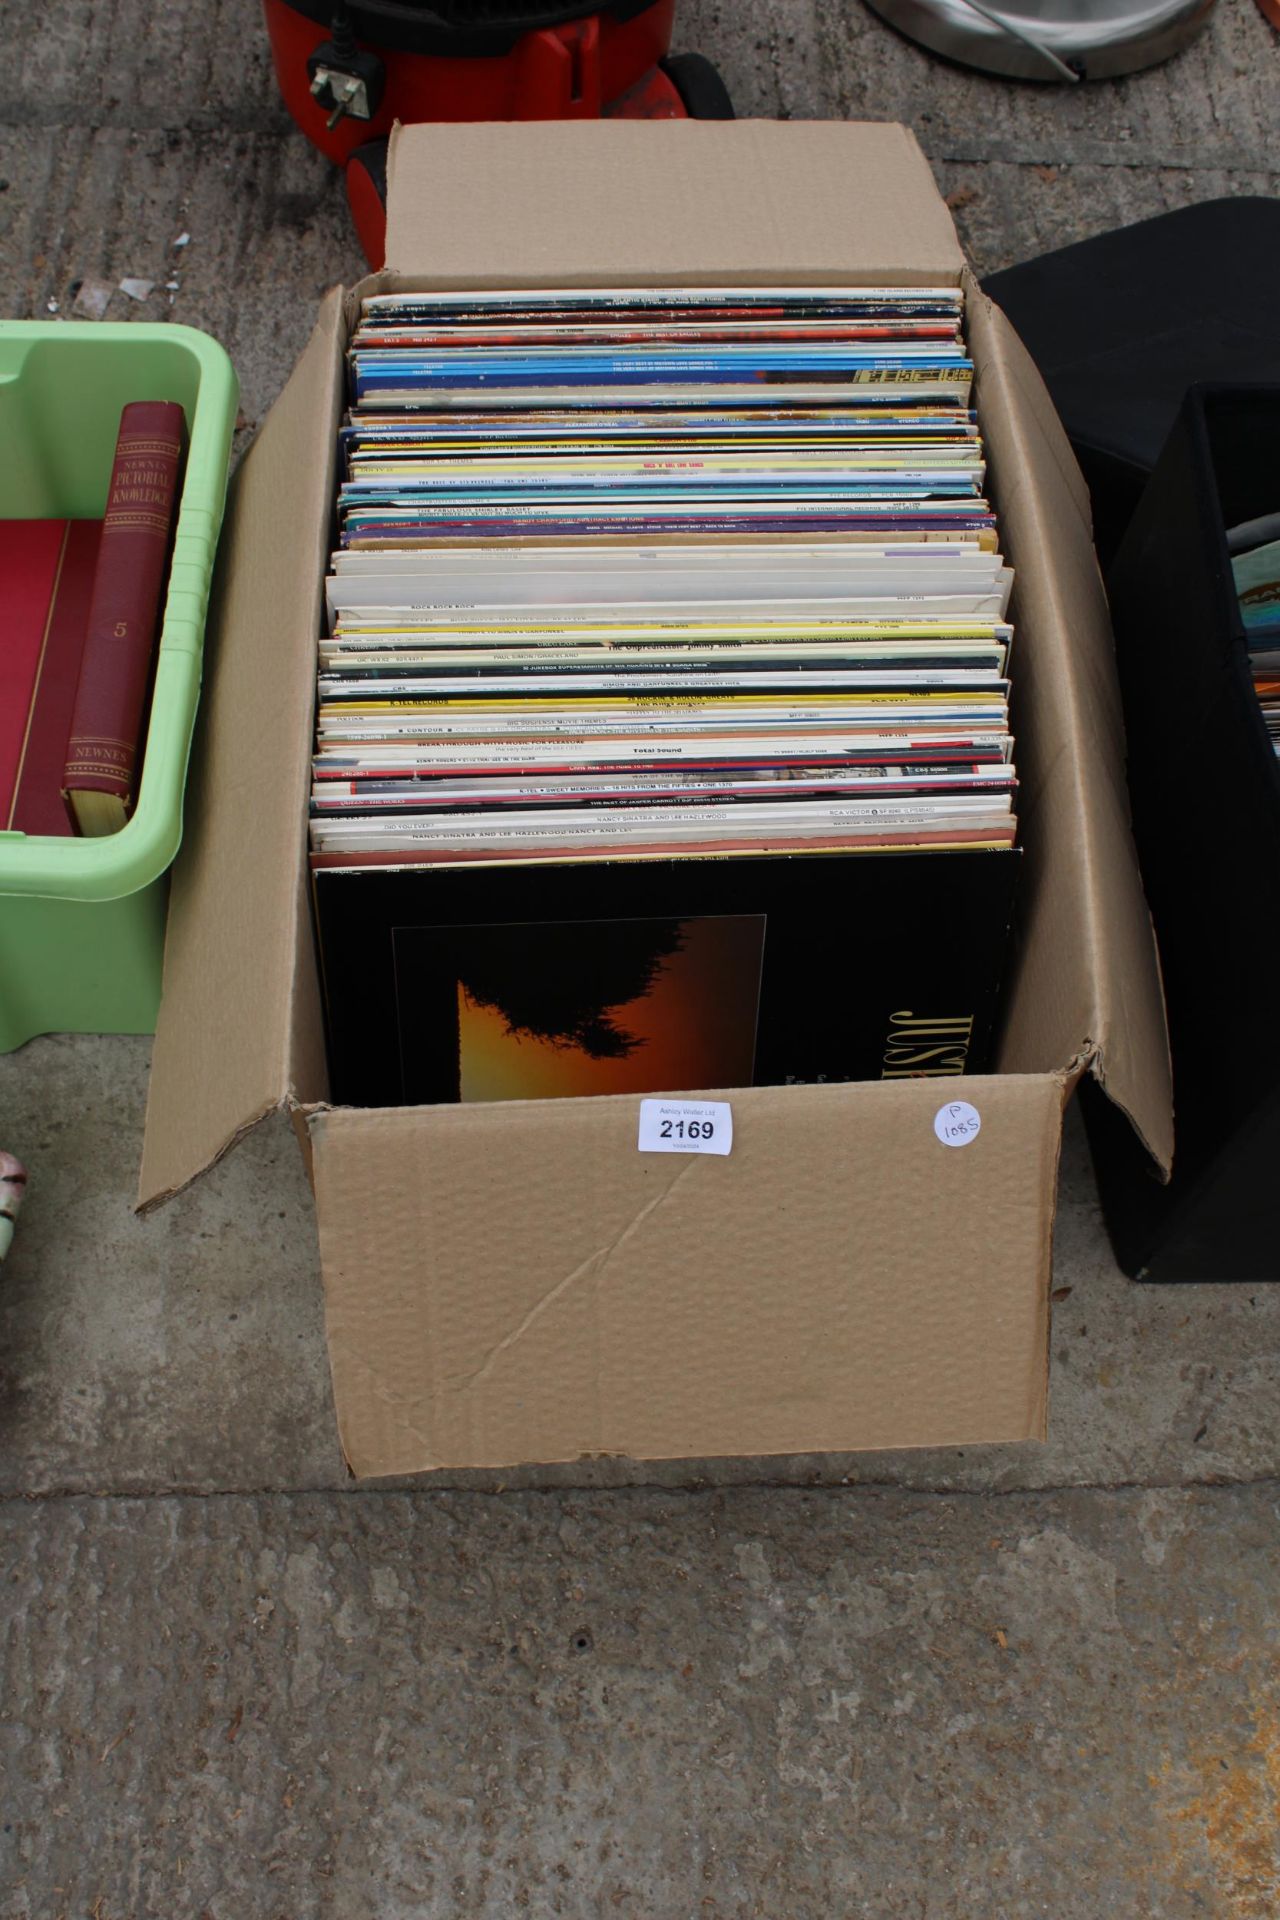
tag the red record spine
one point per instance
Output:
(106, 724)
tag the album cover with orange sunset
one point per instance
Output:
(659, 976)
(552, 1009)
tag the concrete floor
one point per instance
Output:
(1031, 1681)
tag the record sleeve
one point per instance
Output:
(877, 967)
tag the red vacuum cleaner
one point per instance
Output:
(349, 69)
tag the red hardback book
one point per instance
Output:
(107, 719)
(36, 804)
(29, 555)
(47, 569)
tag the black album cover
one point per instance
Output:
(541, 981)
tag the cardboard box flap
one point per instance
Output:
(1088, 981)
(639, 202)
(239, 1030)
(485, 1306)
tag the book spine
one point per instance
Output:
(38, 806)
(128, 580)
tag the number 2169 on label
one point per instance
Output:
(685, 1126)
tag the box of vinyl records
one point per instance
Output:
(660, 825)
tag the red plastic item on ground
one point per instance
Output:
(347, 73)
(598, 64)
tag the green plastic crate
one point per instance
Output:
(82, 921)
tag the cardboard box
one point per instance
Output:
(516, 1283)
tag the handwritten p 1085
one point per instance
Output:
(957, 1123)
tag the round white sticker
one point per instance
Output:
(957, 1123)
